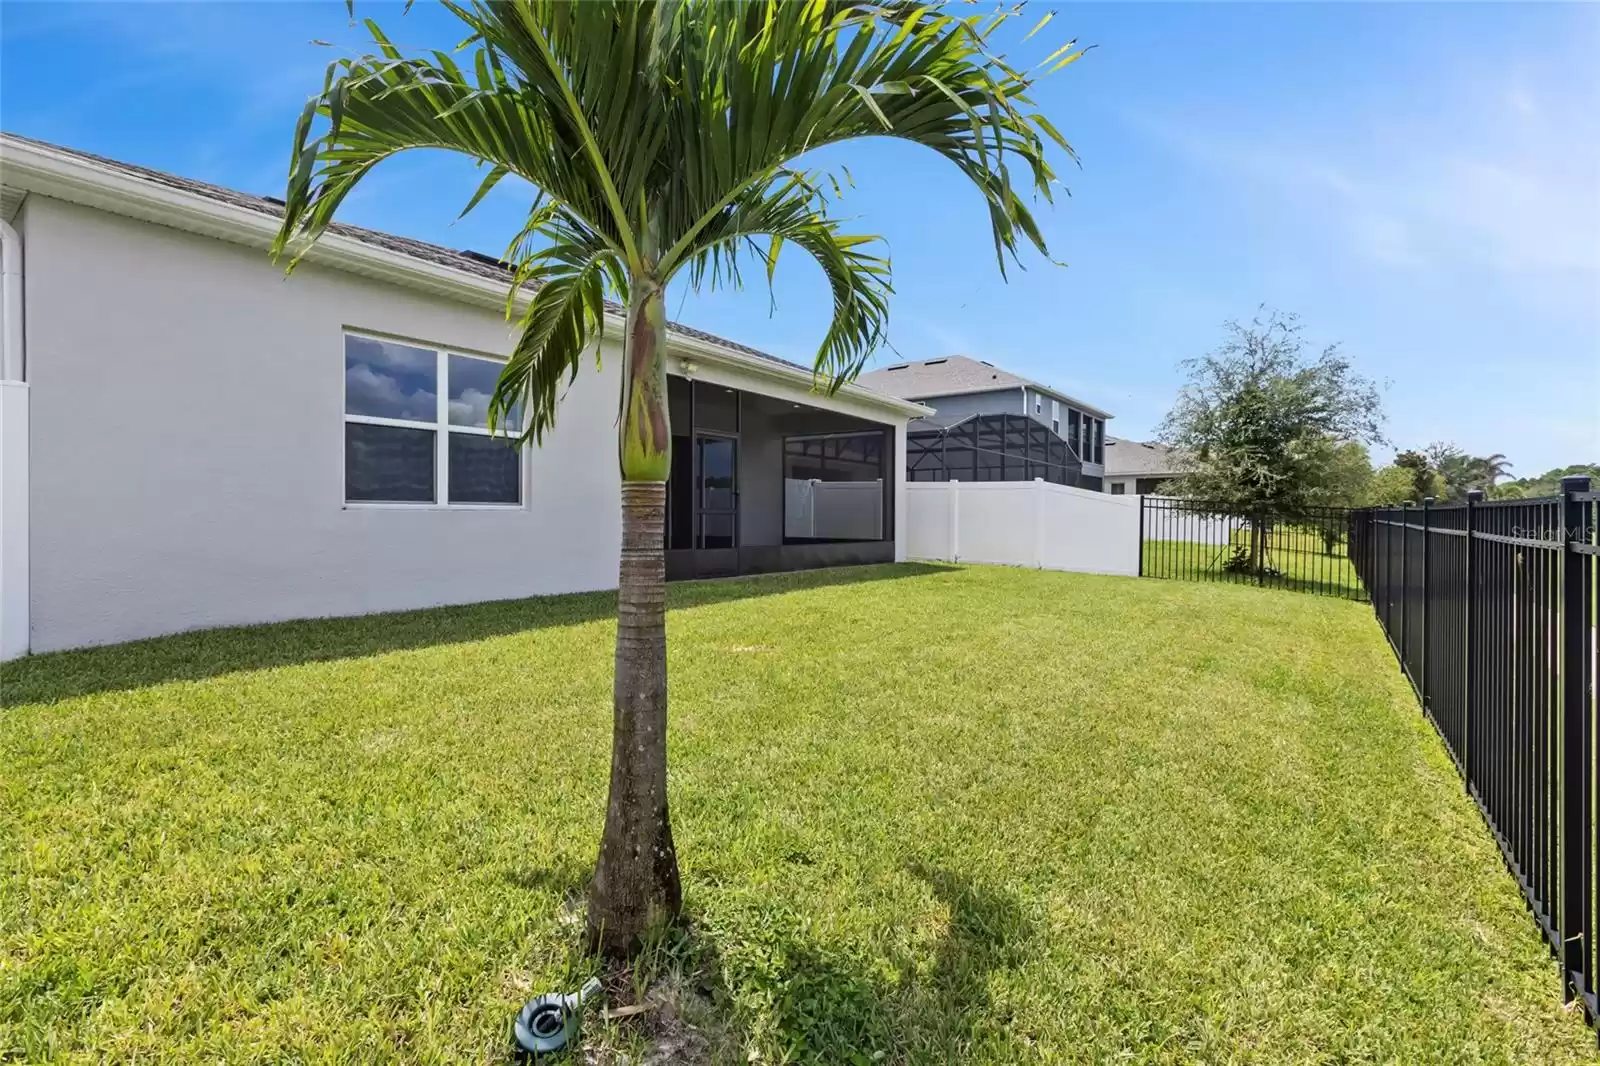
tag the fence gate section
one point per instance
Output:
(1309, 550)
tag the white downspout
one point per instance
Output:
(14, 593)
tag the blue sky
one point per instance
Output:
(1420, 183)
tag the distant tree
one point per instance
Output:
(1424, 480)
(1345, 478)
(1453, 466)
(1545, 484)
(1493, 468)
(1461, 472)
(1258, 417)
(1393, 485)
(1345, 481)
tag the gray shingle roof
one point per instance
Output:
(936, 377)
(470, 262)
(1132, 458)
(954, 374)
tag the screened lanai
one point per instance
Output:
(760, 484)
(993, 447)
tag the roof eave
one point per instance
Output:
(33, 167)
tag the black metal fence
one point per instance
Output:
(1491, 608)
(1309, 550)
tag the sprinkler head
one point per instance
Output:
(548, 1023)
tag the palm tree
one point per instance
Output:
(1490, 469)
(662, 137)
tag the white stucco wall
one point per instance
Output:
(187, 440)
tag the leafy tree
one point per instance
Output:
(1424, 479)
(1344, 480)
(1395, 484)
(1259, 418)
(1545, 484)
(660, 139)
(1344, 476)
(1461, 472)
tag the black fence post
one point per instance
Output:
(1427, 607)
(1469, 686)
(1259, 547)
(1141, 532)
(1405, 588)
(1576, 828)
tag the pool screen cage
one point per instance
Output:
(998, 447)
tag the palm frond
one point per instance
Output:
(380, 105)
(570, 268)
(663, 134)
(767, 83)
(791, 211)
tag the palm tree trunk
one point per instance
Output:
(636, 878)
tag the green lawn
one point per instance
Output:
(1296, 558)
(926, 815)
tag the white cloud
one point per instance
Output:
(1521, 197)
(470, 408)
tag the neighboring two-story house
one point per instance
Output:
(993, 425)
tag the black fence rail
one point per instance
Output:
(1491, 609)
(1309, 550)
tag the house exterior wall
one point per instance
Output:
(1000, 402)
(14, 463)
(1039, 410)
(188, 440)
(187, 435)
(1009, 401)
(1141, 485)
(760, 477)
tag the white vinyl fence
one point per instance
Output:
(833, 510)
(1023, 523)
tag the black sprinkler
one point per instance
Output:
(549, 1022)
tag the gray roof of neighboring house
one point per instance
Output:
(1132, 458)
(936, 422)
(472, 262)
(953, 375)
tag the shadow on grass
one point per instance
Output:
(803, 1000)
(212, 652)
(565, 877)
(1291, 570)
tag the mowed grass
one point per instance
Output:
(925, 815)
(1297, 558)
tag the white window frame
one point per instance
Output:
(1055, 417)
(440, 428)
